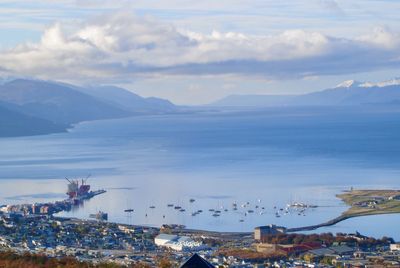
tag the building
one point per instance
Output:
(261, 231)
(395, 247)
(289, 249)
(178, 243)
(343, 250)
(162, 239)
(267, 248)
(196, 261)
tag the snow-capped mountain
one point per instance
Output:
(392, 82)
(348, 84)
(349, 92)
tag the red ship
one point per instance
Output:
(76, 189)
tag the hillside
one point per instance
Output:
(31, 107)
(128, 100)
(13, 123)
(56, 103)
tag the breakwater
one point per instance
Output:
(324, 224)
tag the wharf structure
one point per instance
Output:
(77, 194)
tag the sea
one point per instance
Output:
(262, 160)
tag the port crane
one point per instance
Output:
(76, 189)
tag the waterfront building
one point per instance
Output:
(395, 247)
(178, 243)
(272, 229)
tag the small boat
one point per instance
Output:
(191, 200)
(241, 220)
(211, 209)
(182, 210)
(170, 205)
(152, 207)
(101, 216)
(216, 215)
(235, 208)
(199, 211)
(177, 207)
(226, 210)
(194, 214)
(250, 211)
(217, 211)
(128, 210)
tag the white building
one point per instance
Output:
(178, 243)
(395, 247)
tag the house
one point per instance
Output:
(196, 261)
(395, 247)
(342, 250)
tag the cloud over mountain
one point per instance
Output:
(122, 47)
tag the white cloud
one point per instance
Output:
(122, 46)
(332, 6)
(383, 38)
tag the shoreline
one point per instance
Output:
(361, 203)
(356, 209)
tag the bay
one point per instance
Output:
(265, 158)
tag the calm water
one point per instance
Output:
(216, 158)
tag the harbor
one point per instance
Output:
(78, 192)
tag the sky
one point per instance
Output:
(195, 52)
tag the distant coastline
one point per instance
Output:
(361, 203)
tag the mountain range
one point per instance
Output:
(29, 107)
(14, 123)
(33, 107)
(347, 93)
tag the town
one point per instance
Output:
(35, 229)
(98, 241)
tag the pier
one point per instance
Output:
(317, 226)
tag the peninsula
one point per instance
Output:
(362, 203)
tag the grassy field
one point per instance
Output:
(362, 203)
(370, 202)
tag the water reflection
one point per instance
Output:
(216, 160)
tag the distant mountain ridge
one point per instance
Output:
(55, 106)
(347, 93)
(56, 103)
(14, 123)
(129, 101)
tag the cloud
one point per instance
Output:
(123, 47)
(332, 6)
